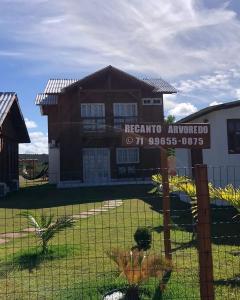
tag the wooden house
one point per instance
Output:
(12, 132)
(85, 118)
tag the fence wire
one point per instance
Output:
(96, 254)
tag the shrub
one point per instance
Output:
(143, 238)
(138, 267)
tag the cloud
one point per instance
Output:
(182, 109)
(38, 145)
(30, 124)
(214, 103)
(237, 92)
(10, 53)
(171, 38)
(215, 81)
(222, 85)
(169, 102)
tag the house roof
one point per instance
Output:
(57, 86)
(46, 99)
(208, 110)
(7, 101)
(160, 85)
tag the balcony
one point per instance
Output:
(94, 125)
(103, 125)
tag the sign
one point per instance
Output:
(190, 135)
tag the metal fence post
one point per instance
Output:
(204, 234)
(166, 205)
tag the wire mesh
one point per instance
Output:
(76, 264)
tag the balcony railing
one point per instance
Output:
(113, 124)
(94, 124)
(119, 121)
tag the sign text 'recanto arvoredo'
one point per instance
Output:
(189, 135)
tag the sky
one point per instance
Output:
(192, 44)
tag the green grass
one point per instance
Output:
(96, 290)
(84, 268)
(33, 258)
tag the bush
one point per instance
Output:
(143, 238)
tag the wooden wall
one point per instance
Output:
(64, 121)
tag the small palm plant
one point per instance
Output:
(46, 228)
(137, 267)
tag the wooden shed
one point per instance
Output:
(12, 132)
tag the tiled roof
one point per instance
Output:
(55, 86)
(6, 100)
(51, 91)
(46, 99)
(160, 85)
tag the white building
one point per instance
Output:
(223, 157)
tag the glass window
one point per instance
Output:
(127, 155)
(125, 109)
(124, 113)
(233, 131)
(92, 110)
(93, 115)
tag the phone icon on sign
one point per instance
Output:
(129, 140)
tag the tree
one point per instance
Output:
(46, 227)
(170, 119)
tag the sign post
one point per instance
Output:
(204, 234)
(164, 136)
(166, 205)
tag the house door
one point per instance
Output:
(96, 165)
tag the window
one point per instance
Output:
(233, 131)
(152, 101)
(124, 113)
(93, 115)
(127, 155)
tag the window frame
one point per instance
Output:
(128, 162)
(96, 123)
(96, 103)
(125, 103)
(120, 119)
(233, 135)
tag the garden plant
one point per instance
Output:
(139, 265)
(46, 228)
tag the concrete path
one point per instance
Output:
(107, 206)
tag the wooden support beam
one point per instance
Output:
(166, 205)
(204, 234)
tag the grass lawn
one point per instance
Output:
(77, 266)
